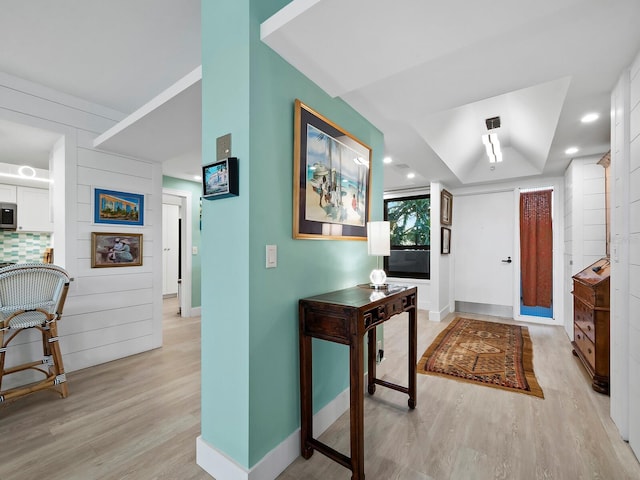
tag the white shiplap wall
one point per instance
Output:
(568, 248)
(625, 253)
(110, 312)
(634, 258)
(585, 222)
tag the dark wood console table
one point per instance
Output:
(344, 317)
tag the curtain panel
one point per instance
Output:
(536, 248)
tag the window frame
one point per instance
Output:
(400, 273)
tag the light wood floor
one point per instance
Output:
(138, 418)
(135, 418)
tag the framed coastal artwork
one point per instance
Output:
(332, 178)
(116, 249)
(117, 208)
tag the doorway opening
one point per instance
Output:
(176, 248)
(536, 252)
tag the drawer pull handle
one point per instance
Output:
(589, 350)
(589, 327)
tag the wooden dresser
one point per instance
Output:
(591, 322)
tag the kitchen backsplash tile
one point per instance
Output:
(21, 247)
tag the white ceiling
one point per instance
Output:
(120, 54)
(426, 74)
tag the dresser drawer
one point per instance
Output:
(584, 318)
(586, 346)
(585, 293)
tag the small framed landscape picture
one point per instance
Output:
(118, 208)
(116, 249)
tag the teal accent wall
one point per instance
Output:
(23, 247)
(250, 375)
(196, 190)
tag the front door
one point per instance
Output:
(484, 241)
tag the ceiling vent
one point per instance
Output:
(493, 122)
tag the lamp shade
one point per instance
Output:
(378, 238)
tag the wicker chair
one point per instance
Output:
(32, 296)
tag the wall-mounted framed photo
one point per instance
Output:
(446, 207)
(220, 179)
(117, 208)
(445, 241)
(332, 178)
(116, 249)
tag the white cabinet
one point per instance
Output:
(33, 210)
(8, 193)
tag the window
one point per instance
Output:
(410, 236)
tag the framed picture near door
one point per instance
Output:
(446, 207)
(445, 241)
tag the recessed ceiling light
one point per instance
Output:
(387, 160)
(411, 175)
(197, 177)
(26, 171)
(571, 150)
(590, 117)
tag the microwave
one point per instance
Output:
(9, 213)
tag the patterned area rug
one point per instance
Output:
(492, 354)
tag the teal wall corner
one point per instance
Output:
(250, 313)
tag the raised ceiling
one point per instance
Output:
(428, 74)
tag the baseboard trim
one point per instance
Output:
(438, 316)
(195, 312)
(484, 309)
(219, 465)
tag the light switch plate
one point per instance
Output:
(223, 147)
(272, 256)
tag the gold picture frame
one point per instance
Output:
(446, 207)
(116, 249)
(331, 179)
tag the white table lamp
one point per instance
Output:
(378, 244)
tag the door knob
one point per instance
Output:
(508, 260)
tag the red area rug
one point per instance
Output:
(493, 354)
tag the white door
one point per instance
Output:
(483, 238)
(170, 248)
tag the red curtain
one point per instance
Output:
(536, 248)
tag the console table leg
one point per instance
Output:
(357, 407)
(413, 356)
(306, 408)
(371, 361)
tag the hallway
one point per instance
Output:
(138, 418)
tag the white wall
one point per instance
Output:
(110, 312)
(625, 254)
(442, 286)
(423, 285)
(559, 295)
(585, 222)
(634, 259)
